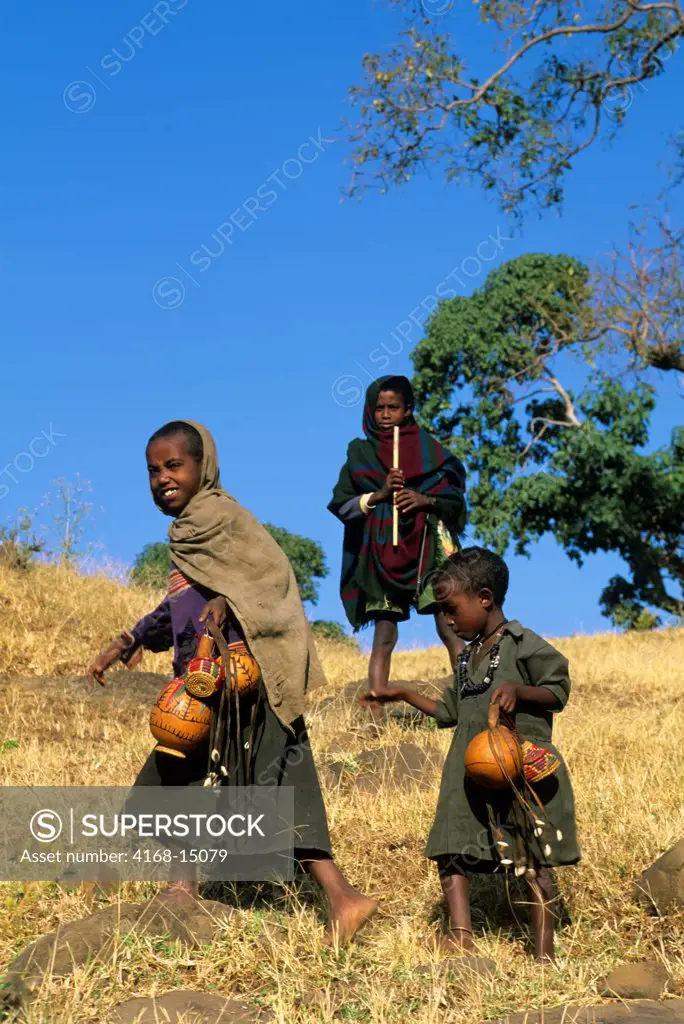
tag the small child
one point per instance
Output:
(475, 829)
(225, 565)
(381, 583)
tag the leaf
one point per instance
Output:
(540, 458)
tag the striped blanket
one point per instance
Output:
(371, 567)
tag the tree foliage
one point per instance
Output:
(327, 629)
(306, 558)
(490, 383)
(567, 74)
(151, 566)
(19, 543)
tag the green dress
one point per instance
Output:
(463, 826)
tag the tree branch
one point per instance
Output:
(516, 136)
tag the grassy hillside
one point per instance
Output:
(622, 735)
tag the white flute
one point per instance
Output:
(395, 510)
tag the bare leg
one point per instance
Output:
(385, 637)
(453, 643)
(349, 908)
(459, 937)
(180, 892)
(543, 894)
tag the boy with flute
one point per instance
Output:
(400, 496)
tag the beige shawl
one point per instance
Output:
(220, 545)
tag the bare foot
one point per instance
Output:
(348, 915)
(180, 892)
(545, 958)
(100, 890)
(455, 943)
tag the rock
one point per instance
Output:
(195, 922)
(189, 1008)
(69, 946)
(641, 1011)
(647, 980)
(660, 888)
(73, 944)
(403, 765)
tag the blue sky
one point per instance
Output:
(130, 143)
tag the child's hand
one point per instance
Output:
(105, 659)
(217, 608)
(394, 482)
(379, 696)
(411, 501)
(506, 697)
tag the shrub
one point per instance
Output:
(326, 629)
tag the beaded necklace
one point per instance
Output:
(466, 687)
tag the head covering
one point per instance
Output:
(370, 427)
(371, 566)
(217, 543)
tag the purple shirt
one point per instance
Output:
(174, 623)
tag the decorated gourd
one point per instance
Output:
(181, 719)
(180, 723)
(242, 670)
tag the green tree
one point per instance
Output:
(19, 543)
(489, 381)
(327, 629)
(306, 558)
(567, 77)
(151, 566)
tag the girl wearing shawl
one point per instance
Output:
(381, 583)
(224, 564)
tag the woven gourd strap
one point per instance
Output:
(232, 689)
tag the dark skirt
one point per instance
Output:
(266, 754)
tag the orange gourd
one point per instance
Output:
(242, 670)
(180, 720)
(180, 723)
(493, 758)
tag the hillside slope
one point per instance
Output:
(622, 735)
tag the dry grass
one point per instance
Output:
(622, 735)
